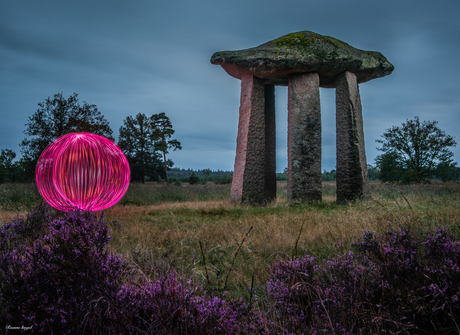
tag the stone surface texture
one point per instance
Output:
(303, 61)
(304, 138)
(270, 144)
(352, 174)
(304, 51)
(249, 172)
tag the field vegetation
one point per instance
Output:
(232, 251)
(173, 230)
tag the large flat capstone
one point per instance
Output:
(301, 52)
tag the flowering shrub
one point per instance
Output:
(58, 277)
(392, 283)
(170, 307)
(51, 283)
(24, 231)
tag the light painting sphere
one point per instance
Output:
(82, 171)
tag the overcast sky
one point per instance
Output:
(130, 57)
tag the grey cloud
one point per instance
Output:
(151, 56)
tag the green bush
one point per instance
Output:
(193, 179)
(19, 197)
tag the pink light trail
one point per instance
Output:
(82, 170)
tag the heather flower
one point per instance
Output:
(50, 283)
(61, 279)
(169, 306)
(391, 283)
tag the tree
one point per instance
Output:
(58, 116)
(162, 132)
(194, 179)
(448, 170)
(329, 176)
(7, 167)
(413, 151)
(136, 141)
(373, 172)
(390, 170)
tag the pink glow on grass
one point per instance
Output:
(84, 171)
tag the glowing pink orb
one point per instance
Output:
(84, 171)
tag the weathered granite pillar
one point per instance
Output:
(249, 173)
(304, 138)
(352, 174)
(304, 61)
(270, 144)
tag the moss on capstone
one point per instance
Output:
(304, 40)
(293, 41)
(309, 43)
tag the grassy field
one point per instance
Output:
(230, 247)
(198, 232)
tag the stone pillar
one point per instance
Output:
(352, 174)
(249, 173)
(270, 144)
(304, 138)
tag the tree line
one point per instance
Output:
(203, 176)
(145, 140)
(414, 152)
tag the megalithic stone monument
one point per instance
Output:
(303, 61)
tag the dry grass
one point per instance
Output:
(158, 228)
(169, 235)
(7, 216)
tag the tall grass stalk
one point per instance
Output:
(173, 230)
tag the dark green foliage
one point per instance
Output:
(56, 117)
(329, 176)
(19, 196)
(325, 176)
(162, 132)
(146, 142)
(413, 151)
(136, 142)
(175, 181)
(448, 170)
(193, 179)
(390, 169)
(205, 175)
(373, 172)
(281, 176)
(18, 171)
(7, 167)
(225, 179)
